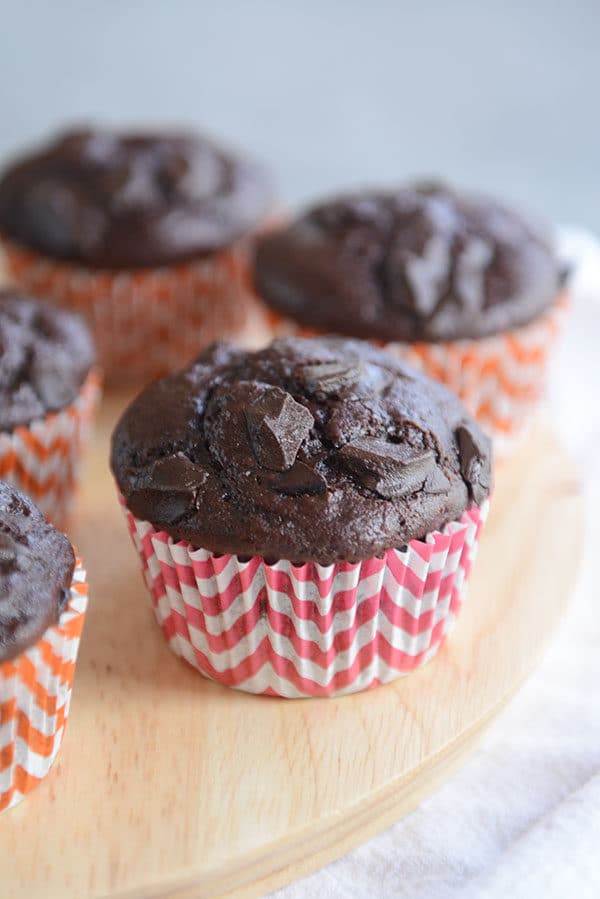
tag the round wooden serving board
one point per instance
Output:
(168, 785)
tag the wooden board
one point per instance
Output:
(170, 786)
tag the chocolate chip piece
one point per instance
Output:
(171, 486)
(426, 272)
(390, 469)
(25, 559)
(299, 479)
(325, 379)
(8, 551)
(166, 508)
(277, 426)
(178, 471)
(475, 461)
(134, 188)
(436, 483)
(48, 377)
(469, 272)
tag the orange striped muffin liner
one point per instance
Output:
(146, 322)
(35, 695)
(501, 379)
(43, 458)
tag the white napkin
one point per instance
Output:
(522, 818)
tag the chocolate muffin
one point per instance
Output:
(43, 601)
(46, 356)
(114, 201)
(49, 390)
(420, 263)
(144, 233)
(462, 286)
(307, 515)
(321, 450)
(36, 570)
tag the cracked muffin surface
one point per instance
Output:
(45, 356)
(131, 200)
(308, 450)
(36, 568)
(424, 262)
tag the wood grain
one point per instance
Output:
(171, 786)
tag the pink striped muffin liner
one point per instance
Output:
(308, 630)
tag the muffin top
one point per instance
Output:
(36, 568)
(45, 355)
(309, 450)
(421, 263)
(114, 200)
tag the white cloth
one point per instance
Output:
(522, 818)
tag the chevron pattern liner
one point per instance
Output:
(35, 694)
(308, 630)
(43, 459)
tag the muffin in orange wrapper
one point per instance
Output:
(43, 600)
(49, 392)
(462, 287)
(307, 516)
(145, 235)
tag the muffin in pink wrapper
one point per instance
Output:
(49, 392)
(43, 601)
(464, 288)
(306, 515)
(298, 630)
(145, 235)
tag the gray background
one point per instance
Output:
(501, 96)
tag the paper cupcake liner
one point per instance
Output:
(35, 695)
(308, 630)
(146, 322)
(500, 379)
(43, 458)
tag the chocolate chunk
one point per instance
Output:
(390, 469)
(351, 419)
(425, 273)
(8, 551)
(469, 273)
(299, 479)
(475, 460)
(167, 507)
(178, 471)
(48, 379)
(277, 426)
(436, 482)
(324, 379)
(171, 487)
